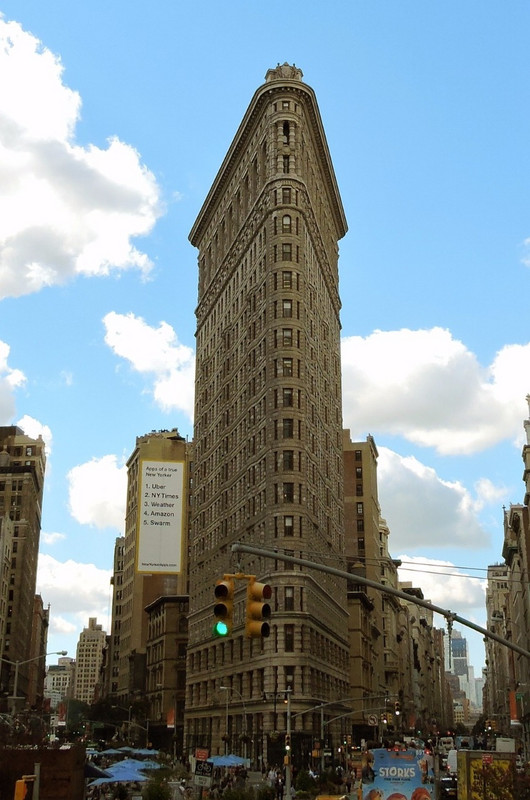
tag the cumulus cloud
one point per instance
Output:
(155, 352)
(430, 389)
(451, 519)
(444, 584)
(75, 592)
(10, 379)
(52, 538)
(65, 210)
(32, 427)
(97, 492)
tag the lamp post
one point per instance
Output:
(17, 664)
(289, 752)
(129, 711)
(228, 689)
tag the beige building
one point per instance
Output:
(22, 466)
(507, 684)
(374, 673)
(156, 527)
(268, 429)
(89, 661)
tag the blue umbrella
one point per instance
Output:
(227, 761)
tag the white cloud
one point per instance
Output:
(97, 492)
(65, 210)
(52, 538)
(407, 488)
(429, 388)
(10, 379)
(75, 592)
(156, 352)
(32, 427)
(444, 584)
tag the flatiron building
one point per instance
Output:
(268, 465)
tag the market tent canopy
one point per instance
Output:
(227, 761)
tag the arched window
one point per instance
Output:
(286, 223)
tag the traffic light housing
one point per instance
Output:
(24, 788)
(258, 609)
(397, 708)
(224, 607)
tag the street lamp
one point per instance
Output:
(228, 689)
(129, 711)
(16, 665)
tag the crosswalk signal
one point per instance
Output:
(258, 609)
(223, 609)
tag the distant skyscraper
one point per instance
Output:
(22, 465)
(268, 423)
(88, 662)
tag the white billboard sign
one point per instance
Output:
(160, 517)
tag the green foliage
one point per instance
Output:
(265, 792)
(304, 782)
(155, 790)
(239, 794)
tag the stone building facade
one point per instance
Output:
(22, 467)
(268, 426)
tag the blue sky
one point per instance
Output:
(114, 119)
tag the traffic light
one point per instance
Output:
(287, 744)
(24, 788)
(258, 609)
(223, 609)
(397, 708)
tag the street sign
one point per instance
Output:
(372, 719)
(203, 773)
(201, 753)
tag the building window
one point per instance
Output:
(286, 223)
(360, 509)
(288, 428)
(287, 397)
(287, 251)
(288, 643)
(287, 308)
(287, 337)
(288, 525)
(286, 165)
(287, 367)
(287, 280)
(285, 130)
(288, 459)
(359, 490)
(358, 472)
(289, 598)
(288, 492)
(358, 455)
(286, 195)
(360, 527)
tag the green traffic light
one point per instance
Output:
(220, 628)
